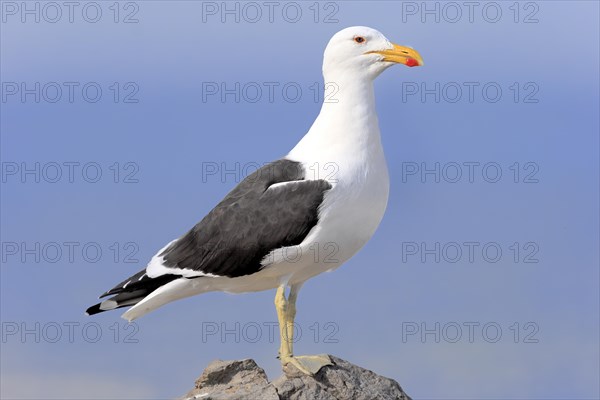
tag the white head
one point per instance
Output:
(363, 52)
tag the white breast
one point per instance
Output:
(351, 212)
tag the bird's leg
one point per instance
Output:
(285, 350)
(290, 315)
(286, 312)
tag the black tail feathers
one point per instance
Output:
(131, 291)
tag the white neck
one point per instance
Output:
(346, 125)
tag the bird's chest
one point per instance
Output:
(354, 207)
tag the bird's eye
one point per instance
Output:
(359, 39)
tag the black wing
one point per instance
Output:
(271, 208)
(250, 222)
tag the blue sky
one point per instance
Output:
(429, 301)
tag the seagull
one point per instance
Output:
(294, 218)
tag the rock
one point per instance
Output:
(341, 381)
(235, 380)
(243, 379)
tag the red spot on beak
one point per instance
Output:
(411, 62)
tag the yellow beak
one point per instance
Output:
(400, 54)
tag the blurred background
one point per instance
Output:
(124, 123)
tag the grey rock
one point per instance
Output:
(243, 379)
(341, 381)
(233, 380)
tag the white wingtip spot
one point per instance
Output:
(108, 305)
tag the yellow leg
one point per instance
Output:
(286, 313)
(285, 349)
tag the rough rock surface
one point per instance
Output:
(244, 380)
(236, 380)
